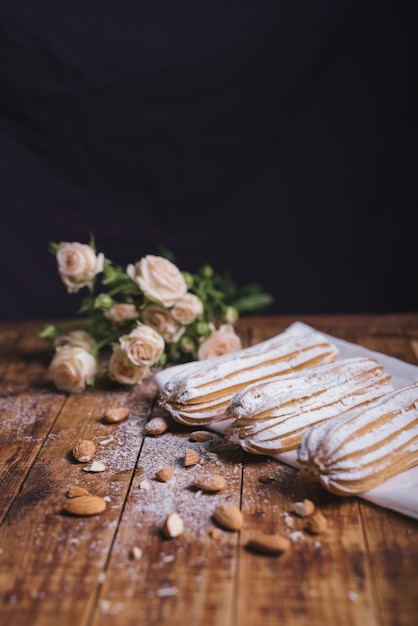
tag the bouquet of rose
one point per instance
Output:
(143, 316)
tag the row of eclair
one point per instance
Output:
(350, 428)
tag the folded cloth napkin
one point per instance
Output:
(399, 493)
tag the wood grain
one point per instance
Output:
(58, 568)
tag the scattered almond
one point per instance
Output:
(74, 491)
(268, 544)
(165, 473)
(214, 532)
(190, 458)
(156, 426)
(210, 482)
(316, 523)
(85, 505)
(96, 466)
(115, 415)
(84, 450)
(228, 516)
(173, 526)
(200, 435)
(265, 478)
(304, 508)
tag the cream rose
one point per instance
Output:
(163, 322)
(79, 338)
(123, 371)
(143, 345)
(78, 264)
(72, 368)
(221, 341)
(120, 312)
(187, 308)
(160, 280)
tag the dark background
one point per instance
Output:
(274, 140)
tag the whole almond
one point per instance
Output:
(316, 523)
(85, 505)
(74, 491)
(304, 508)
(190, 458)
(156, 426)
(165, 473)
(228, 516)
(268, 544)
(114, 415)
(210, 482)
(200, 435)
(173, 525)
(84, 450)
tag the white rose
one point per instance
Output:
(160, 280)
(143, 345)
(120, 312)
(123, 371)
(79, 338)
(78, 264)
(72, 368)
(221, 341)
(163, 322)
(187, 308)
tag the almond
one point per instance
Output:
(84, 450)
(190, 458)
(268, 544)
(228, 516)
(316, 523)
(156, 426)
(200, 435)
(75, 491)
(173, 525)
(85, 505)
(165, 473)
(114, 415)
(304, 508)
(210, 482)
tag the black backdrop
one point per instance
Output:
(274, 140)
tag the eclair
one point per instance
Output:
(272, 416)
(202, 395)
(365, 446)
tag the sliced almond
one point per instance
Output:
(303, 508)
(84, 450)
(156, 426)
(316, 523)
(200, 435)
(135, 553)
(190, 457)
(210, 482)
(114, 415)
(74, 491)
(228, 516)
(85, 505)
(96, 466)
(268, 543)
(173, 525)
(165, 473)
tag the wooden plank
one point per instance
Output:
(322, 579)
(392, 542)
(28, 409)
(184, 580)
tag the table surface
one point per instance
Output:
(84, 571)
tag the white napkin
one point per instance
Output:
(399, 493)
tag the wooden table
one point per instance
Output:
(59, 569)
